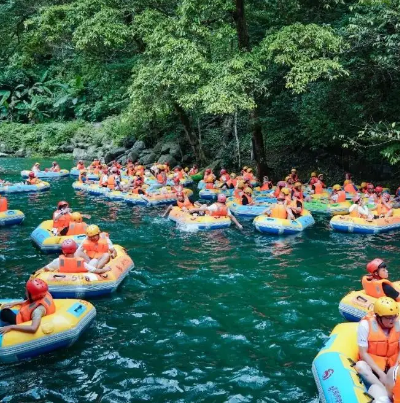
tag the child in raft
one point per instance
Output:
(376, 283)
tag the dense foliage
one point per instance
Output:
(231, 78)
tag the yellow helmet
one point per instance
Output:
(186, 169)
(313, 174)
(76, 217)
(363, 184)
(232, 175)
(293, 170)
(346, 182)
(297, 184)
(287, 178)
(385, 306)
(249, 170)
(248, 190)
(245, 168)
(92, 230)
(336, 187)
(240, 185)
(285, 191)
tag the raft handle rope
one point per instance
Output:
(371, 397)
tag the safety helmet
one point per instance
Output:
(294, 170)
(313, 174)
(245, 168)
(76, 217)
(347, 182)
(281, 184)
(92, 230)
(285, 191)
(69, 246)
(36, 163)
(36, 288)
(186, 169)
(249, 170)
(379, 189)
(370, 186)
(373, 265)
(297, 184)
(233, 175)
(248, 190)
(363, 185)
(385, 306)
(31, 174)
(320, 175)
(336, 187)
(223, 171)
(221, 198)
(62, 203)
(240, 184)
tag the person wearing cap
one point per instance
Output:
(248, 176)
(280, 209)
(182, 201)
(80, 165)
(55, 167)
(266, 184)
(218, 209)
(313, 178)
(76, 224)
(363, 187)
(32, 180)
(209, 178)
(247, 200)
(378, 337)
(358, 209)
(349, 186)
(193, 170)
(97, 249)
(293, 175)
(61, 218)
(376, 283)
(69, 263)
(232, 181)
(36, 168)
(38, 304)
(338, 195)
(279, 186)
(384, 208)
(224, 176)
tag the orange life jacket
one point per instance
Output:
(186, 203)
(179, 174)
(62, 222)
(349, 188)
(71, 265)
(373, 287)
(354, 213)
(318, 189)
(80, 166)
(101, 182)
(193, 171)
(32, 181)
(277, 191)
(221, 212)
(266, 186)
(249, 198)
(278, 211)
(341, 196)
(27, 308)
(209, 178)
(161, 179)
(111, 182)
(381, 208)
(238, 193)
(77, 228)
(3, 204)
(96, 249)
(383, 349)
(96, 171)
(130, 171)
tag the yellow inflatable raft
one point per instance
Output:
(49, 243)
(191, 222)
(86, 285)
(333, 369)
(58, 330)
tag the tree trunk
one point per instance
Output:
(257, 136)
(190, 134)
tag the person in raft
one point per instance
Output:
(68, 263)
(378, 337)
(97, 249)
(32, 180)
(55, 167)
(338, 195)
(218, 209)
(376, 284)
(359, 210)
(36, 168)
(62, 219)
(183, 202)
(39, 303)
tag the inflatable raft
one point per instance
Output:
(247, 211)
(49, 243)
(47, 174)
(59, 330)
(192, 222)
(88, 285)
(333, 369)
(75, 172)
(22, 188)
(321, 206)
(357, 225)
(281, 226)
(212, 194)
(11, 217)
(197, 177)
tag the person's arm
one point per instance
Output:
(390, 291)
(80, 252)
(92, 269)
(53, 265)
(168, 209)
(236, 222)
(9, 305)
(37, 315)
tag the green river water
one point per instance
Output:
(219, 316)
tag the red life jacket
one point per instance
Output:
(27, 308)
(3, 204)
(222, 211)
(71, 265)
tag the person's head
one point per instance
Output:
(222, 172)
(176, 180)
(296, 194)
(363, 185)
(297, 185)
(93, 233)
(36, 289)
(80, 162)
(356, 199)
(313, 174)
(370, 188)
(293, 170)
(221, 198)
(378, 269)
(232, 175)
(240, 184)
(249, 170)
(378, 189)
(69, 247)
(54, 162)
(336, 188)
(62, 205)
(244, 169)
(208, 171)
(180, 196)
(348, 175)
(31, 175)
(321, 176)
(281, 184)
(114, 170)
(186, 169)
(76, 217)
(386, 311)
(37, 164)
(265, 179)
(386, 196)
(248, 191)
